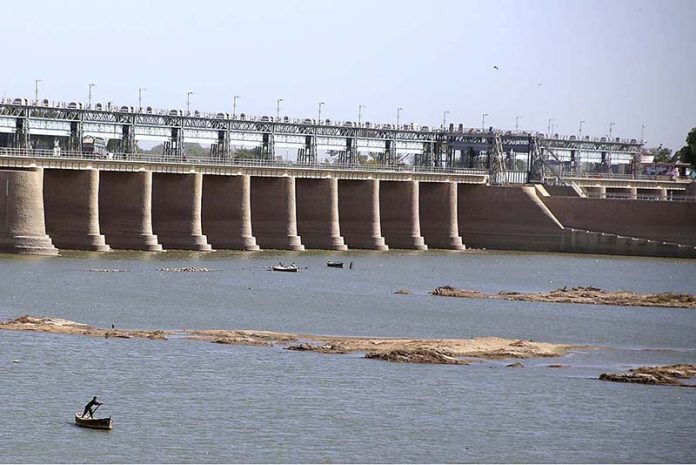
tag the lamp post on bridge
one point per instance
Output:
(611, 128)
(517, 123)
(360, 107)
(444, 119)
(89, 95)
(642, 132)
(398, 115)
(278, 108)
(550, 127)
(580, 129)
(483, 121)
(140, 97)
(188, 102)
(36, 89)
(234, 106)
(319, 114)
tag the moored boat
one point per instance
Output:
(95, 423)
(332, 264)
(288, 268)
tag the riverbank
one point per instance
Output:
(408, 350)
(580, 295)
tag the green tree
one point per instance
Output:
(687, 154)
(661, 154)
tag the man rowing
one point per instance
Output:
(88, 407)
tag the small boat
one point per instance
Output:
(334, 264)
(287, 268)
(95, 423)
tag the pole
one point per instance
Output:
(278, 108)
(444, 119)
(89, 97)
(140, 97)
(517, 123)
(36, 89)
(398, 114)
(642, 133)
(188, 102)
(234, 106)
(360, 107)
(611, 127)
(549, 127)
(580, 130)
(319, 115)
(483, 121)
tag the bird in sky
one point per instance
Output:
(495, 67)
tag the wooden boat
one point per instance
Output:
(286, 268)
(95, 423)
(334, 264)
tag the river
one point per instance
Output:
(190, 401)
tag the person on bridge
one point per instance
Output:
(88, 407)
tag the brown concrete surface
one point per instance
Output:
(400, 214)
(226, 212)
(273, 213)
(438, 215)
(125, 210)
(71, 204)
(176, 211)
(317, 213)
(509, 218)
(359, 214)
(22, 224)
(646, 219)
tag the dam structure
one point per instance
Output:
(57, 191)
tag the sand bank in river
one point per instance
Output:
(580, 295)
(665, 375)
(441, 351)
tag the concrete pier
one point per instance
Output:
(273, 213)
(317, 214)
(438, 215)
(359, 214)
(400, 214)
(226, 212)
(176, 211)
(22, 224)
(125, 210)
(71, 204)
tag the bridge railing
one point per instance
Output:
(240, 162)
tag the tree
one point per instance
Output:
(687, 154)
(660, 154)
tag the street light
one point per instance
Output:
(398, 114)
(188, 102)
(444, 119)
(278, 108)
(611, 128)
(360, 107)
(234, 106)
(483, 121)
(550, 126)
(517, 122)
(642, 132)
(140, 97)
(36, 89)
(89, 96)
(580, 130)
(319, 115)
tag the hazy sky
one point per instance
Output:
(626, 62)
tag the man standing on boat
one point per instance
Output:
(88, 407)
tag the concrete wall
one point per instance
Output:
(400, 214)
(662, 221)
(22, 224)
(176, 211)
(125, 210)
(511, 218)
(317, 213)
(359, 214)
(71, 204)
(226, 212)
(438, 215)
(273, 214)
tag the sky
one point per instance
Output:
(630, 63)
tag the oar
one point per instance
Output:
(95, 410)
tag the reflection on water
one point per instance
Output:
(189, 401)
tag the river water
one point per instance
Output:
(189, 401)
